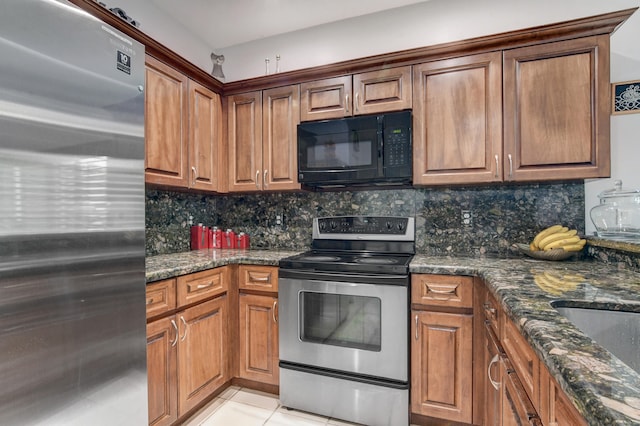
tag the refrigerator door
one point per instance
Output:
(72, 278)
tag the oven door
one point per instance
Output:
(353, 327)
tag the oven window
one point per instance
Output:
(341, 320)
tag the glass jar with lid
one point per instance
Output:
(618, 215)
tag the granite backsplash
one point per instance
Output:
(500, 215)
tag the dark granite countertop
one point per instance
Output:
(604, 390)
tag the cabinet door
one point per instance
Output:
(280, 117)
(327, 98)
(259, 338)
(382, 91)
(556, 110)
(205, 111)
(162, 337)
(556, 409)
(244, 115)
(457, 116)
(202, 352)
(493, 386)
(166, 130)
(442, 365)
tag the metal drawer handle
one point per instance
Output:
(496, 385)
(264, 279)
(416, 327)
(510, 166)
(257, 177)
(497, 166)
(452, 290)
(491, 311)
(346, 102)
(200, 286)
(273, 312)
(175, 326)
(150, 301)
(195, 174)
(264, 179)
(186, 329)
(355, 107)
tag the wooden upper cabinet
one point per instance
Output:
(556, 110)
(382, 91)
(327, 98)
(457, 120)
(280, 118)
(182, 130)
(263, 139)
(166, 130)
(244, 115)
(205, 113)
(365, 93)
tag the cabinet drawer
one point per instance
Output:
(524, 361)
(202, 285)
(161, 297)
(442, 290)
(251, 277)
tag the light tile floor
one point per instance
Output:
(246, 407)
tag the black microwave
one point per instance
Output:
(357, 151)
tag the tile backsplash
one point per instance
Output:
(500, 215)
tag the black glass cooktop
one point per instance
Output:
(349, 262)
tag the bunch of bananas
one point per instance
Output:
(557, 284)
(557, 237)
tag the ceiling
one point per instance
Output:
(224, 23)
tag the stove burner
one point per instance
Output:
(377, 260)
(318, 258)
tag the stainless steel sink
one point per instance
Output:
(615, 330)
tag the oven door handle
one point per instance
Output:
(386, 279)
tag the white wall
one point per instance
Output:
(625, 129)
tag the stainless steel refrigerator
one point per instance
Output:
(72, 283)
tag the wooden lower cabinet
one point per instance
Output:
(162, 376)
(187, 348)
(555, 407)
(442, 365)
(202, 352)
(259, 338)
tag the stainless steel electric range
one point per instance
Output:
(344, 323)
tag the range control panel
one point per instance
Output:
(364, 227)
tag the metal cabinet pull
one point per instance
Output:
(195, 174)
(264, 179)
(273, 312)
(186, 329)
(416, 327)
(257, 177)
(496, 385)
(489, 309)
(355, 105)
(346, 102)
(175, 326)
(150, 301)
(510, 166)
(497, 166)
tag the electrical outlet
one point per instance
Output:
(279, 218)
(467, 218)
